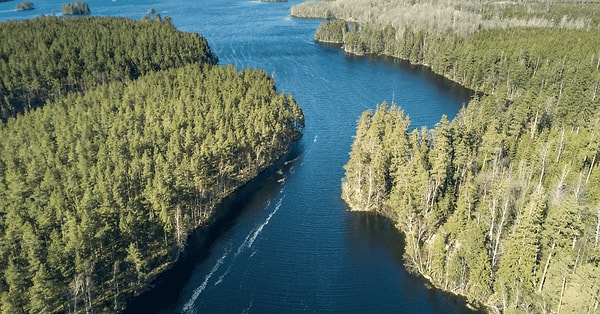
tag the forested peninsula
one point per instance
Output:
(501, 204)
(118, 138)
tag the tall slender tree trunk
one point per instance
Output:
(499, 233)
(534, 125)
(116, 286)
(543, 278)
(544, 155)
(597, 226)
(178, 231)
(562, 294)
(560, 146)
(591, 167)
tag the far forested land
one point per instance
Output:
(45, 58)
(502, 203)
(100, 186)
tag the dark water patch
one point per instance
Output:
(458, 94)
(163, 293)
(374, 229)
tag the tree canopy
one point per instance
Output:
(47, 57)
(501, 203)
(99, 189)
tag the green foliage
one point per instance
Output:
(332, 31)
(43, 59)
(75, 8)
(368, 182)
(460, 17)
(501, 203)
(99, 189)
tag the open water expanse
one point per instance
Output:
(292, 246)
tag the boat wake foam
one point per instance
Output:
(189, 305)
(246, 244)
(259, 229)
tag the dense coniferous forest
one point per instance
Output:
(461, 17)
(502, 203)
(100, 186)
(45, 58)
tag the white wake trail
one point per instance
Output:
(247, 239)
(247, 243)
(266, 222)
(189, 305)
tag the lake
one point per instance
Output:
(291, 245)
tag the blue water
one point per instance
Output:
(294, 247)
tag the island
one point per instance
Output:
(76, 8)
(25, 6)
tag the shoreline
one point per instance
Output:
(200, 239)
(471, 304)
(475, 306)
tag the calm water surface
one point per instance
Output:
(293, 246)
